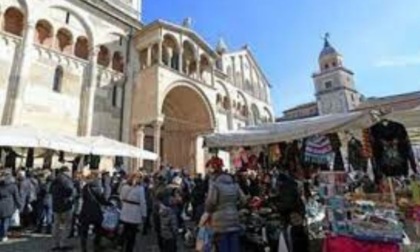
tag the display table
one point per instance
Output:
(347, 244)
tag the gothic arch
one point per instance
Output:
(14, 21)
(118, 62)
(268, 115)
(104, 56)
(189, 57)
(81, 49)
(242, 104)
(64, 41)
(65, 6)
(44, 32)
(196, 89)
(171, 49)
(256, 117)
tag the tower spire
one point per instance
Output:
(326, 40)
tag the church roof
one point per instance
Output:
(328, 49)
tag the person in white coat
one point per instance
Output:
(134, 209)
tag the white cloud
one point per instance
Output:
(399, 61)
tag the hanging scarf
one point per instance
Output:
(318, 150)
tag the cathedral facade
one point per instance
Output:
(88, 67)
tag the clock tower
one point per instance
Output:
(334, 84)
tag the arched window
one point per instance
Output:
(64, 41)
(118, 62)
(13, 21)
(103, 56)
(82, 48)
(170, 53)
(44, 33)
(58, 79)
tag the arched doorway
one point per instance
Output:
(187, 116)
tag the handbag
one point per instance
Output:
(110, 215)
(15, 219)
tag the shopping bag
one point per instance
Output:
(15, 219)
(282, 243)
(111, 218)
(204, 239)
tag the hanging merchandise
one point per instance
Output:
(392, 149)
(367, 145)
(215, 162)
(318, 150)
(357, 159)
(338, 164)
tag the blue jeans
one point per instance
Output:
(45, 216)
(228, 242)
(4, 227)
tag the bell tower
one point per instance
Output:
(334, 83)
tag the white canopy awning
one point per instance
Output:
(100, 145)
(291, 130)
(26, 136)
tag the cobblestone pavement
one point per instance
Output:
(44, 243)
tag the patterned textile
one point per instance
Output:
(367, 144)
(318, 150)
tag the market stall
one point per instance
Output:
(334, 146)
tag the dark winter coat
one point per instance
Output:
(106, 183)
(93, 200)
(222, 203)
(9, 196)
(25, 190)
(44, 194)
(63, 193)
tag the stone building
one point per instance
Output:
(89, 67)
(335, 91)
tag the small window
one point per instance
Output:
(58, 79)
(114, 96)
(328, 84)
(67, 17)
(121, 40)
(352, 97)
(334, 64)
(326, 66)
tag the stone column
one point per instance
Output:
(160, 50)
(170, 55)
(18, 79)
(90, 87)
(187, 67)
(197, 70)
(149, 55)
(139, 143)
(212, 67)
(157, 126)
(235, 81)
(242, 73)
(180, 60)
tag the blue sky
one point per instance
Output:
(379, 39)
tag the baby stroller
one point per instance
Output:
(111, 228)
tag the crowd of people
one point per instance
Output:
(70, 204)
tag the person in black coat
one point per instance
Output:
(91, 214)
(63, 193)
(44, 203)
(10, 201)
